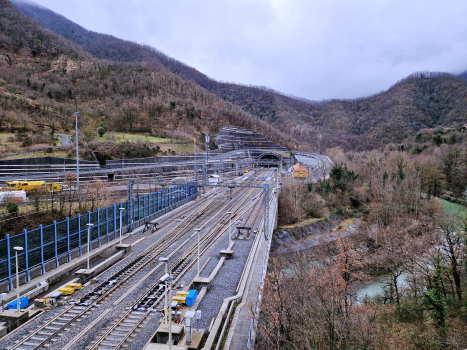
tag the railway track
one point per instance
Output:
(123, 329)
(86, 304)
(206, 208)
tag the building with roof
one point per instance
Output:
(300, 172)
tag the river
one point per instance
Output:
(375, 288)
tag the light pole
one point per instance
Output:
(89, 241)
(17, 249)
(194, 157)
(77, 152)
(170, 312)
(197, 230)
(230, 225)
(121, 228)
(165, 260)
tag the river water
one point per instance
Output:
(376, 287)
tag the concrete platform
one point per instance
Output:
(239, 329)
(227, 253)
(162, 334)
(201, 282)
(196, 339)
(11, 320)
(124, 247)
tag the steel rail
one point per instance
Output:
(180, 266)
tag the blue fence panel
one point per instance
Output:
(62, 231)
(3, 250)
(50, 242)
(48, 233)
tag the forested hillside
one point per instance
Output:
(140, 89)
(45, 77)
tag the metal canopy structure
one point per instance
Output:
(230, 185)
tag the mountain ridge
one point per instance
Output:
(416, 102)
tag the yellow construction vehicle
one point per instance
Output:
(33, 186)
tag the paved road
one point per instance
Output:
(65, 141)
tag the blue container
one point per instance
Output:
(191, 297)
(23, 302)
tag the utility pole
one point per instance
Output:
(194, 156)
(197, 231)
(165, 260)
(206, 149)
(170, 311)
(230, 228)
(77, 151)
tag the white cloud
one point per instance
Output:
(318, 49)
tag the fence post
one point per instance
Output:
(42, 249)
(107, 223)
(147, 199)
(79, 233)
(139, 209)
(158, 202)
(115, 221)
(55, 240)
(98, 227)
(154, 199)
(90, 233)
(10, 282)
(68, 237)
(26, 255)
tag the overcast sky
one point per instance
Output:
(317, 49)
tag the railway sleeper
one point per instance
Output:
(125, 325)
(107, 342)
(116, 333)
(72, 311)
(114, 338)
(30, 344)
(48, 334)
(38, 338)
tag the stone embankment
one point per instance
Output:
(288, 241)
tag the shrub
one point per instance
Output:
(27, 142)
(12, 208)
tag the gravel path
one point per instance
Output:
(223, 286)
(225, 283)
(65, 140)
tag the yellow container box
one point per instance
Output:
(75, 286)
(66, 290)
